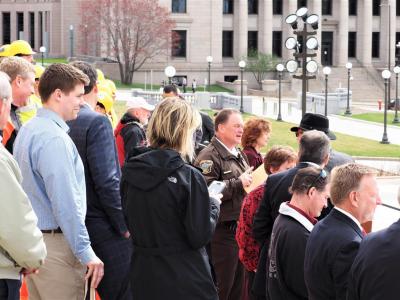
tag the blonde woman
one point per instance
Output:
(169, 211)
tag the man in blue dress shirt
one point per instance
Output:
(55, 183)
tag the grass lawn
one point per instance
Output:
(281, 135)
(214, 88)
(51, 60)
(376, 117)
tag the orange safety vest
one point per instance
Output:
(7, 132)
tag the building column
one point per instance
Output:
(13, 26)
(289, 7)
(240, 19)
(216, 26)
(366, 33)
(265, 24)
(316, 8)
(343, 33)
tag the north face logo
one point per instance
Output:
(172, 179)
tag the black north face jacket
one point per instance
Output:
(171, 218)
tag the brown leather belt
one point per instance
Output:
(57, 230)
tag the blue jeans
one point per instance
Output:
(9, 289)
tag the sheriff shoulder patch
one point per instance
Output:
(205, 166)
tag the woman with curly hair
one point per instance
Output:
(256, 134)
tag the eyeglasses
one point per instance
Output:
(322, 175)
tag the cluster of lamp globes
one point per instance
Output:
(311, 43)
(386, 73)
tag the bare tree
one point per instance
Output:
(259, 64)
(136, 30)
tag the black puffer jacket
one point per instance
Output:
(171, 218)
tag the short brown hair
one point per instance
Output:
(309, 177)
(253, 129)
(223, 116)
(278, 155)
(14, 66)
(60, 76)
(346, 178)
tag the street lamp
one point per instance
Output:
(242, 65)
(280, 69)
(42, 50)
(349, 65)
(209, 60)
(326, 71)
(386, 76)
(308, 42)
(396, 71)
(170, 72)
(71, 40)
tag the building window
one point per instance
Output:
(301, 3)
(6, 28)
(230, 78)
(252, 42)
(228, 7)
(375, 44)
(227, 43)
(20, 25)
(41, 28)
(277, 7)
(179, 44)
(353, 7)
(252, 6)
(397, 49)
(376, 8)
(32, 29)
(326, 7)
(277, 43)
(178, 6)
(352, 44)
(397, 7)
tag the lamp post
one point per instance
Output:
(386, 76)
(326, 71)
(209, 60)
(242, 65)
(349, 65)
(170, 72)
(396, 71)
(42, 50)
(71, 40)
(280, 69)
(309, 42)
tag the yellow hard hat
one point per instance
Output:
(100, 75)
(21, 47)
(39, 70)
(5, 50)
(104, 87)
(105, 99)
(111, 85)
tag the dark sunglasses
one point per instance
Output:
(322, 175)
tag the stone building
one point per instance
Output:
(363, 32)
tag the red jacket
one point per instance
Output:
(248, 247)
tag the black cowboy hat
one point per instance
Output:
(315, 122)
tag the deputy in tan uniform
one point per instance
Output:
(222, 161)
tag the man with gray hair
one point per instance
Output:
(314, 150)
(334, 241)
(22, 249)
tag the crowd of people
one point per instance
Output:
(124, 206)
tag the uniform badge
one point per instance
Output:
(205, 166)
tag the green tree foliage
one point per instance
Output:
(259, 64)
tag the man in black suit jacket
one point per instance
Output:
(334, 241)
(313, 151)
(93, 136)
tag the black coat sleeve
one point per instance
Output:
(263, 219)
(341, 268)
(104, 168)
(132, 136)
(208, 126)
(201, 212)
